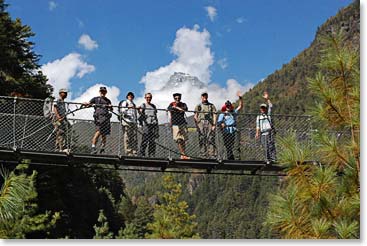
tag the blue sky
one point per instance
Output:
(247, 40)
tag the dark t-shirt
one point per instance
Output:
(61, 107)
(177, 117)
(101, 108)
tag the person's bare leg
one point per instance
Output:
(104, 140)
(181, 147)
(95, 138)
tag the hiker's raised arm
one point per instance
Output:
(240, 106)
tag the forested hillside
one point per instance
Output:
(288, 85)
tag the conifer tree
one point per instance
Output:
(102, 229)
(171, 219)
(19, 68)
(321, 199)
(19, 216)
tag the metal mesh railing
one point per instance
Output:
(172, 134)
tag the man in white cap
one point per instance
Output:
(265, 129)
(59, 120)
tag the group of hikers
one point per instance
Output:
(206, 119)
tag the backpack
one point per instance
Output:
(48, 108)
(268, 126)
(142, 117)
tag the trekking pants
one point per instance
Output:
(268, 143)
(130, 139)
(229, 140)
(150, 134)
(206, 139)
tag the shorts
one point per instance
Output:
(179, 133)
(103, 125)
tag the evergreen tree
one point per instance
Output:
(171, 219)
(323, 201)
(102, 229)
(19, 69)
(129, 232)
(19, 217)
(142, 216)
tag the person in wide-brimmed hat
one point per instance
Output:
(265, 130)
(227, 120)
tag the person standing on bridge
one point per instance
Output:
(205, 119)
(102, 115)
(59, 120)
(129, 121)
(227, 120)
(265, 130)
(178, 123)
(149, 121)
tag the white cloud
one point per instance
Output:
(240, 20)
(223, 63)
(59, 72)
(218, 95)
(87, 42)
(211, 12)
(52, 5)
(194, 57)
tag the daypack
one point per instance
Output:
(48, 108)
(123, 116)
(142, 117)
(265, 124)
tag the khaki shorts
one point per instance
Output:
(179, 133)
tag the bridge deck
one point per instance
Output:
(122, 162)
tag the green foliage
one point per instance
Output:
(171, 219)
(18, 61)
(19, 213)
(322, 201)
(129, 232)
(102, 229)
(80, 194)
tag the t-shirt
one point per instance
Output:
(60, 106)
(205, 111)
(230, 121)
(101, 107)
(177, 116)
(149, 113)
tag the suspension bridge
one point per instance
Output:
(26, 134)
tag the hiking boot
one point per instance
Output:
(67, 151)
(94, 151)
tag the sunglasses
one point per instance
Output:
(177, 98)
(148, 97)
